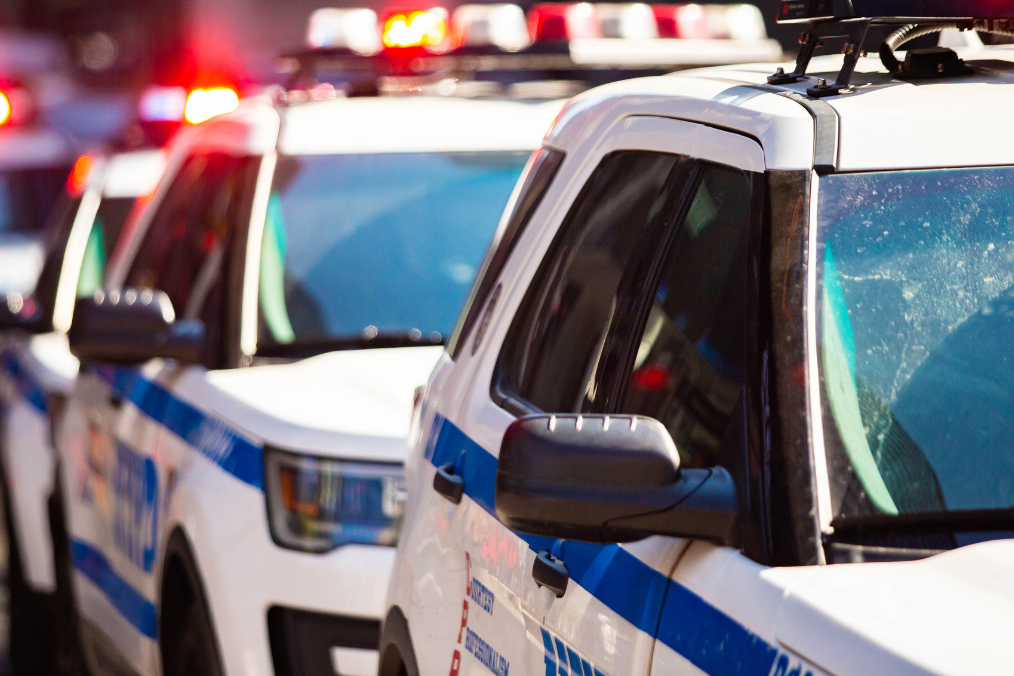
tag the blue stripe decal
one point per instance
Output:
(25, 383)
(210, 436)
(136, 609)
(711, 640)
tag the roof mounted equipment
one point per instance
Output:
(854, 32)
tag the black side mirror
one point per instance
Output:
(607, 479)
(131, 326)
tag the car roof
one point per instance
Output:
(390, 124)
(134, 173)
(34, 148)
(885, 124)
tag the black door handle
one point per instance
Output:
(551, 573)
(449, 484)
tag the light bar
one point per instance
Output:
(894, 11)
(162, 104)
(631, 21)
(204, 104)
(552, 22)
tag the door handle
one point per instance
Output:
(551, 573)
(449, 484)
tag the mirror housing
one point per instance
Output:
(131, 326)
(600, 478)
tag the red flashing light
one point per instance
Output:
(79, 175)
(682, 21)
(554, 22)
(651, 378)
(416, 28)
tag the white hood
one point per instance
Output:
(950, 614)
(356, 403)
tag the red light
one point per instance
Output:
(415, 28)
(651, 378)
(79, 175)
(204, 104)
(682, 21)
(554, 22)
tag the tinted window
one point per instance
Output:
(376, 249)
(688, 371)
(553, 350)
(184, 252)
(545, 163)
(26, 197)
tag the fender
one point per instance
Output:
(396, 646)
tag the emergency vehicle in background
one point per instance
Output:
(37, 373)
(744, 325)
(34, 161)
(231, 457)
(101, 192)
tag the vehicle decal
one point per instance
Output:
(136, 513)
(486, 654)
(25, 383)
(130, 603)
(210, 436)
(482, 596)
(711, 640)
(563, 660)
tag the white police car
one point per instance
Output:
(37, 374)
(734, 330)
(232, 453)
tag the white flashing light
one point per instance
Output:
(632, 21)
(503, 25)
(743, 22)
(162, 104)
(354, 28)
(204, 104)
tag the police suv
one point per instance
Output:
(741, 324)
(37, 373)
(232, 453)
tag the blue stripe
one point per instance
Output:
(711, 640)
(26, 383)
(210, 436)
(137, 610)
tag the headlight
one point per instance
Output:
(316, 504)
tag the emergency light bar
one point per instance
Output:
(894, 11)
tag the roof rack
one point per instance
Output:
(894, 11)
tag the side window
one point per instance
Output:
(689, 368)
(544, 167)
(106, 228)
(185, 249)
(552, 354)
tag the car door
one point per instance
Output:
(568, 348)
(124, 464)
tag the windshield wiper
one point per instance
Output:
(307, 348)
(957, 521)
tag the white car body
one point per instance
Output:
(462, 597)
(197, 436)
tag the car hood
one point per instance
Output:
(21, 261)
(949, 614)
(355, 403)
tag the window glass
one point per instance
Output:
(545, 163)
(551, 357)
(916, 328)
(376, 249)
(688, 372)
(106, 228)
(26, 197)
(184, 249)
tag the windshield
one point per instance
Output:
(374, 250)
(26, 196)
(916, 340)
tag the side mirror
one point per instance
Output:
(131, 326)
(610, 479)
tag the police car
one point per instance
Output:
(232, 453)
(733, 392)
(37, 373)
